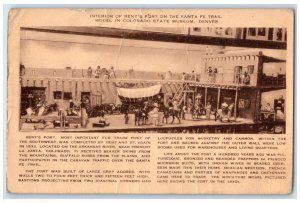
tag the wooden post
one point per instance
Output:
(257, 105)
(218, 101)
(49, 98)
(83, 116)
(235, 103)
(61, 119)
(194, 97)
(205, 97)
(76, 90)
(260, 67)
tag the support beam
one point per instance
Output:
(257, 105)
(235, 103)
(205, 97)
(218, 101)
(49, 91)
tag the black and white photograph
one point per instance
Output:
(153, 79)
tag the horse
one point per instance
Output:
(95, 111)
(221, 115)
(170, 112)
(140, 114)
(197, 111)
(175, 113)
(166, 114)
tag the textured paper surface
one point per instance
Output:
(38, 18)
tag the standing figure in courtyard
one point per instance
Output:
(175, 111)
(208, 110)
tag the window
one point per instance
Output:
(279, 34)
(285, 37)
(270, 34)
(57, 94)
(229, 31)
(261, 32)
(250, 69)
(252, 32)
(197, 29)
(218, 31)
(67, 95)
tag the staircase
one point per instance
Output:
(179, 94)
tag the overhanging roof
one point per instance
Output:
(135, 93)
(269, 59)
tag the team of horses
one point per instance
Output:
(141, 114)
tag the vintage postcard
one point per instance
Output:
(150, 101)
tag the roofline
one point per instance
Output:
(161, 36)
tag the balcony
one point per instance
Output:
(278, 81)
(36, 76)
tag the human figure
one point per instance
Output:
(39, 104)
(125, 109)
(193, 76)
(190, 105)
(196, 111)
(41, 108)
(170, 104)
(30, 101)
(246, 78)
(224, 107)
(168, 75)
(279, 34)
(98, 72)
(267, 109)
(175, 111)
(90, 72)
(230, 110)
(112, 73)
(222, 111)
(175, 105)
(71, 104)
(105, 73)
(183, 112)
(126, 117)
(145, 112)
(215, 72)
(280, 103)
(131, 73)
(183, 76)
(86, 102)
(210, 74)
(155, 114)
(208, 110)
(30, 105)
(166, 114)
(102, 120)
